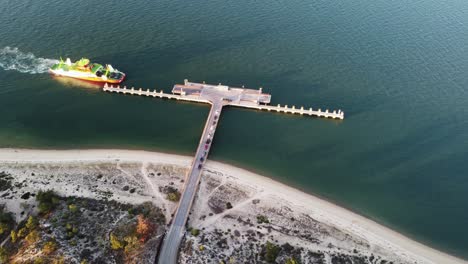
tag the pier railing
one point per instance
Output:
(335, 114)
(154, 93)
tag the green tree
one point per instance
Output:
(291, 261)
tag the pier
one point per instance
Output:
(217, 96)
(240, 97)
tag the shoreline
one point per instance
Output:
(319, 208)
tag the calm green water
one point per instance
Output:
(399, 70)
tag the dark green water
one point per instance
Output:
(399, 70)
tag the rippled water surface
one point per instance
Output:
(399, 70)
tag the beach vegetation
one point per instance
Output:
(49, 247)
(173, 196)
(5, 181)
(3, 255)
(48, 200)
(31, 223)
(291, 261)
(3, 228)
(194, 231)
(116, 244)
(132, 243)
(39, 260)
(144, 228)
(6, 221)
(14, 236)
(271, 252)
(32, 237)
(22, 232)
(73, 208)
(261, 219)
(59, 260)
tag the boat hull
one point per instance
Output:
(85, 76)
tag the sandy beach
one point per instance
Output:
(317, 208)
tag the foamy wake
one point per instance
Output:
(14, 59)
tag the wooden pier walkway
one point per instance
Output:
(154, 93)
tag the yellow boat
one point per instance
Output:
(85, 70)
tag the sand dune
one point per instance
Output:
(317, 208)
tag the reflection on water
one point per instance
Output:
(71, 82)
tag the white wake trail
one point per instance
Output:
(25, 62)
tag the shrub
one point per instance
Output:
(4, 228)
(49, 247)
(116, 244)
(48, 200)
(173, 196)
(32, 237)
(31, 223)
(132, 243)
(3, 255)
(144, 227)
(228, 205)
(59, 260)
(195, 232)
(262, 219)
(271, 252)
(291, 261)
(39, 260)
(14, 236)
(73, 208)
(22, 232)
(6, 221)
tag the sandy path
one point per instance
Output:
(155, 190)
